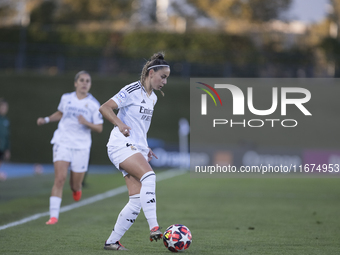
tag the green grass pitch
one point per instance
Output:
(226, 216)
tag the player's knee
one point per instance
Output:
(59, 182)
(148, 177)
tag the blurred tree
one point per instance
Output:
(75, 11)
(44, 13)
(265, 10)
(6, 9)
(334, 17)
(331, 47)
(72, 11)
(16, 12)
(331, 44)
(251, 10)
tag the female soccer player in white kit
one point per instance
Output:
(128, 148)
(78, 114)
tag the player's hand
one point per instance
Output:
(41, 121)
(125, 130)
(82, 120)
(151, 155)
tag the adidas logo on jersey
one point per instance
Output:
(151, 201)
(143, 102)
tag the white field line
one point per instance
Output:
(111, 193)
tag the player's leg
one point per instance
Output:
(79, 166)
(127, 216)
(76, 180)
(60, 174)
(137, 166)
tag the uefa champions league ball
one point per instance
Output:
(177, 238)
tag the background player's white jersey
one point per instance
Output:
(70, 132)
(135, 110)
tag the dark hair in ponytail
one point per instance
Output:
(155, 60)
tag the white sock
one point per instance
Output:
(125, 218)
(148, 198)
(55, 206)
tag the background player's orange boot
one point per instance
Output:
(52, 221)
(77, 195)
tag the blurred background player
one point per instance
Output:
(5, 152)
(78, 115)
(128, 148)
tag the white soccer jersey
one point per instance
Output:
(70, 132)
(135, 110)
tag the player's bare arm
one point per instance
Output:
(52, 118)
(107, 111)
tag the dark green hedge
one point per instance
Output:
(191, 47)
(201, 47)
(236, 51)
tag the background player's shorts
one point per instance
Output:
(122, 151)
(78, 158)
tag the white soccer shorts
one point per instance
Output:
(122, 150)
(78, 158)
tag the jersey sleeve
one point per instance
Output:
(122, 98)
(61, 103)
(97, 117)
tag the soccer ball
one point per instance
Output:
(177, 238)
